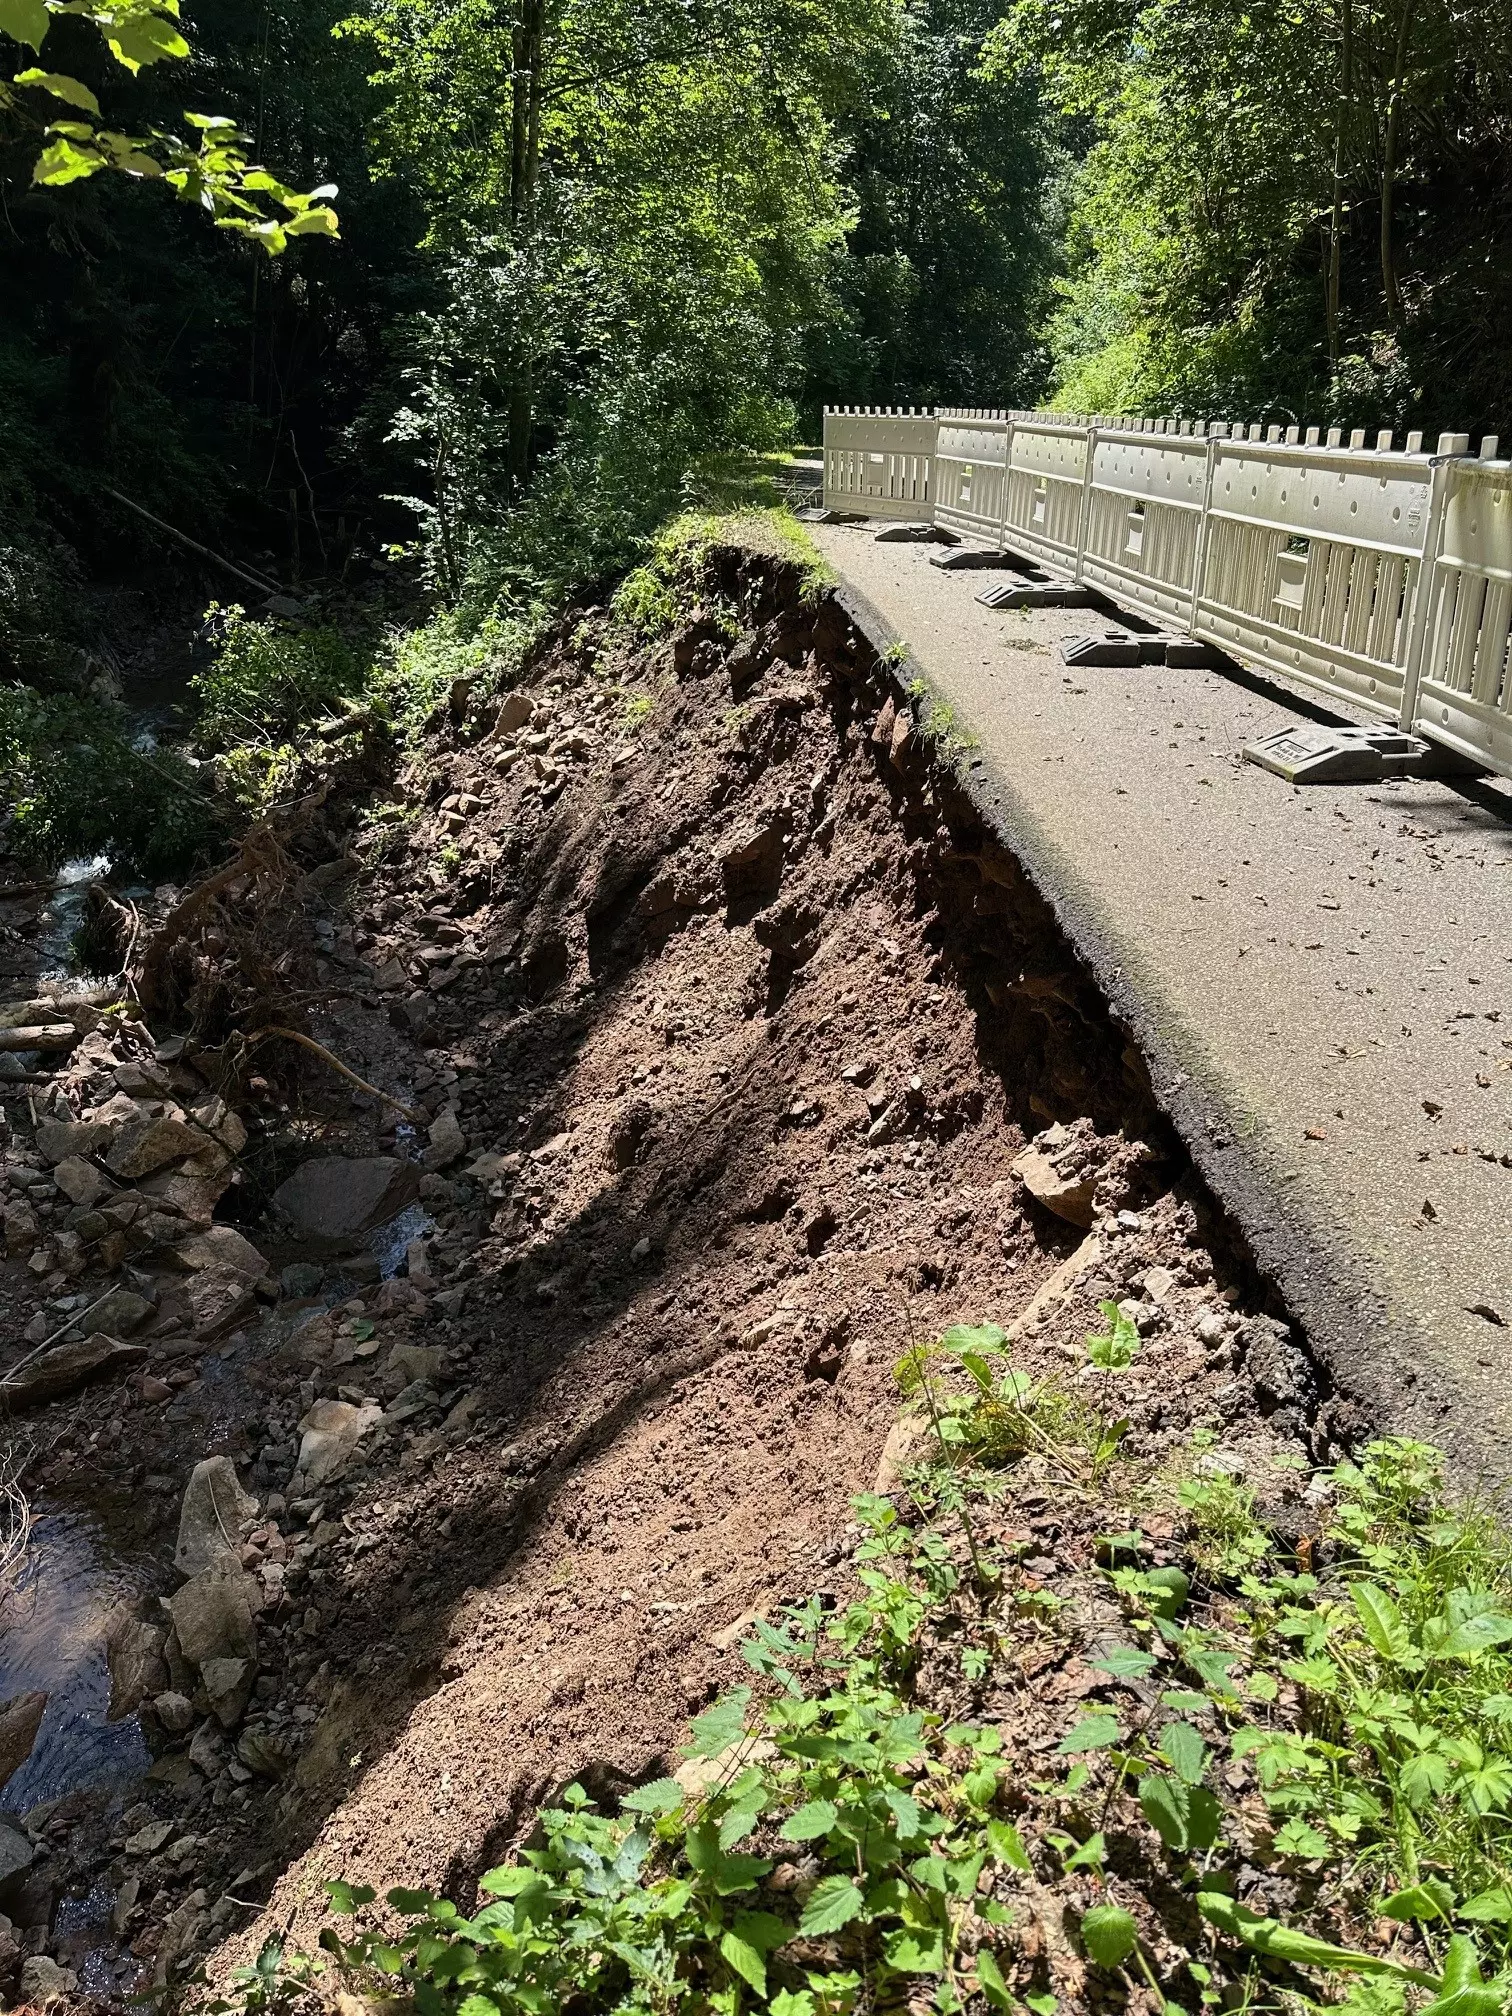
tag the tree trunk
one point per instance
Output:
(525, 153)
(1389, 284)
(1336, 217)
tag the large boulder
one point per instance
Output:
(214, 1614)
(16, 1856)
(228, 1688)
(20, 1719)
(66, 1366)
(214, 1512)
(332, 1201)
(329, 1434)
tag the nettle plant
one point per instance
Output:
(832, 1862)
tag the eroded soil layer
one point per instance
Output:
(722, 1023)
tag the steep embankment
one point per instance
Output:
(718, 1024)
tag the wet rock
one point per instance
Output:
(228, 1687)
(214, 1512)
(333, 1200)
(156, 1390)
(447, 1141)
(213, 1614)
(67, 1366)
(20, 1719)
(147, 1145)
(301, 1277)
(65, 1140)
(81, 1182)
(329, 1433)
(174, 1711)
(44, 1983)
(119, 1314)
(134, 1654)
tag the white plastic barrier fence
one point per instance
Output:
(970, 464)
(879, 461)
(1144, 516)
(1310, 563)
(1382, 577)
(1461, 690)
(1047, 482)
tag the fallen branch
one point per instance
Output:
(410, 1113)
(263, 586)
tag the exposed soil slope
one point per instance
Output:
(730, 1022)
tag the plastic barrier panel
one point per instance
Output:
(1144, 519)
(879, 463)
(1464, 692)
(1047, 480)
(970, 474)
(1309, 563)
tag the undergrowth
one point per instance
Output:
(1326, 1724)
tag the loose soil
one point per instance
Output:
(718, 1022)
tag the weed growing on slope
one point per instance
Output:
(1328, 1726)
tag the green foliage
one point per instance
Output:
(76, 787)
(215, 175)
(267, 686)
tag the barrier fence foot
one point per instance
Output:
(960, 558)
(820, 514)
(1353, 756)
(1121, 647)
(915, 535)
(1035, 595)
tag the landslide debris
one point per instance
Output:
(704, 1030)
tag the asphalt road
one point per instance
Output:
(1320, 977)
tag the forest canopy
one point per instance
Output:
(588, 249)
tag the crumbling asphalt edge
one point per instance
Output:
(1378, 1360)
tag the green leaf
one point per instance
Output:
(477, 2005)
(1124, 1663)
(1298, 1839)
(1381, 1622)
(1430, 1899)
(411, 1903)
(321, 222)
(1488, 1907)
(1280, 1942)
(1184, 1750)
(720, 1726)
(662, 1795)
(811, 1822)
(1007, 1844)
(1042, 2004)
(1479, 2001)
(349, 1897)
(990, 1980)
(1165, 1590)
(1109, 1935)
(915, 1951)
(24, 20)
(1089, 1855)
(835, 1900)
(976, 1337)
(63, 162)
(1093, 1732)
(1164, 1805)
(1475, 1635)
(140, 38)
(743, 1959)
(69, 89)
